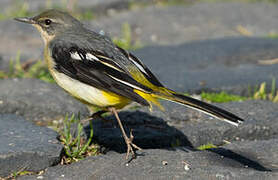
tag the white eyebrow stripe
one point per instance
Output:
(138, 65)
(126, 83)
(89, 56)
(75, 55)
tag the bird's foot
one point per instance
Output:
(131, 147)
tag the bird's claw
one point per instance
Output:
(131, 145)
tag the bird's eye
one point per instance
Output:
(47, 22)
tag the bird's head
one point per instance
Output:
(52, 22)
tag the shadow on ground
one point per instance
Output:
(151, 132)
(242, 161)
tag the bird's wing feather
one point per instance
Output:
(98, 70)
(140, 67)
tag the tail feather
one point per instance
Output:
(204, 107)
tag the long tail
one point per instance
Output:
(202, 106)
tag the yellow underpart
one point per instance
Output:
(160, 92)
(115, 100)
(150, 98)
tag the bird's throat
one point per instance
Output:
(45, 36)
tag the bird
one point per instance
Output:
(98, 73)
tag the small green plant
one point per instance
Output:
(75, 146)
(18, 173)
(262, 93)
(206, 146)
(221, 97)
(126, 41)
(258, 92)
(29, 69)
(22, 173)
(272, 35)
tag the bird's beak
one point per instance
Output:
(27, 20)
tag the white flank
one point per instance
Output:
(82, 91)
(75, 55)
(89, 56)
(138, 65)
(128, 84)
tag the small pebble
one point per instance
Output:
(186, 166)
(164, 163)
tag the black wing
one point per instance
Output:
(98, 70)
(141, 67)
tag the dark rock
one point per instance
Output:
(26, 147)
(37, 101)
(233, 162)
(213, 65)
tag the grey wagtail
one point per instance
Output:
(91, 68)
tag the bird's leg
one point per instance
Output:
(94, 116)
(98, 114)
(129, 140)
